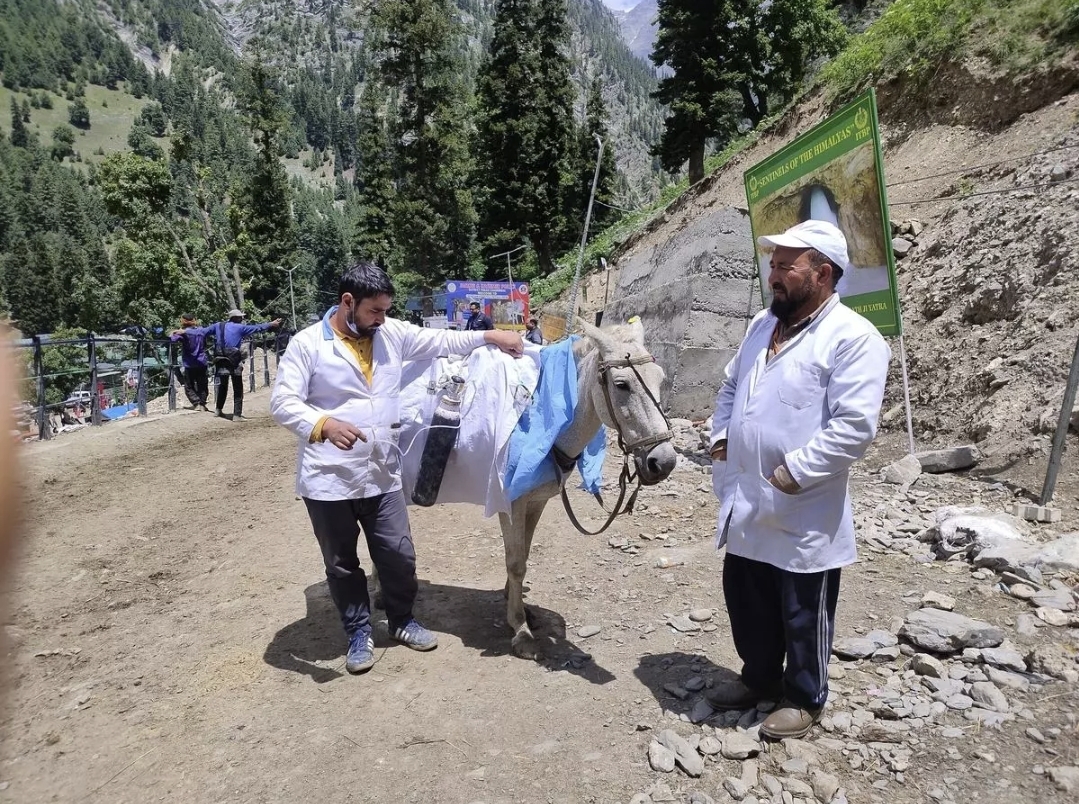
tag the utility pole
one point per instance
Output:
(506, 254)
(1061, 433)
(571, 311)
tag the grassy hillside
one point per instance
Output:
(112, 113)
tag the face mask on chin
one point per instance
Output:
(350, 322)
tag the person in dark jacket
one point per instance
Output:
(192, 340)
(476, 319)
(229, 336)
(532, 332)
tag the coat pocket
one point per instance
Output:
(778, 510)
(800, 385)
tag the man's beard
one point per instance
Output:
(791, 301)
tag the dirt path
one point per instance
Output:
(173, 639)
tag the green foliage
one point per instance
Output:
(525, 133)
(909, 39)
(372, 238)
(433, 219)
(78, 114)
(20, 135)
(63, 142)
(731, 60)
(153, 118)
(142, 144)
(261, 219)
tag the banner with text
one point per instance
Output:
(834, 172)
(505, 303)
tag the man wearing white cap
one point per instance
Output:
(798, 407)
(229, 359)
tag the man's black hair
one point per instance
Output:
(474, 304)
(365, 280)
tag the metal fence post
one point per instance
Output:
(44, 432)
(266, 362)
(172, 375)
(95, 397)
(277, 347)
(140, 393)
(251, 368)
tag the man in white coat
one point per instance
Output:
(798, 407)
(338, 389)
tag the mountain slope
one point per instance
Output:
(315, 33)
(638, 26)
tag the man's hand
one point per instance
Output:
(783, 480)
(341, 434)
(275, 323)
(508, 342)
(719, 451)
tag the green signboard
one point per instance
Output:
(834, 172)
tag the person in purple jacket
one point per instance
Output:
(192, 340)
(229, 359)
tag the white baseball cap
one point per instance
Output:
(236, 313)
(823, 236)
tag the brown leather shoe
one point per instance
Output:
(736, 695)
(789, 721)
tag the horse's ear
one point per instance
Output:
(600, 338)
(636, 329)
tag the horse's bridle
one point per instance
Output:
(564, 463)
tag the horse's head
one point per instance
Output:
(625, 392)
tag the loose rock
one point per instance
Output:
(825, 786)
(987, 694)
(948, 632)
(660, 757)
(936, 600)
(685, 755)
(1066, 778)
(738, 745)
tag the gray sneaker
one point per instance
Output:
(361, 652)
(416, 636)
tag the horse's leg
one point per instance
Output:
(517, 537)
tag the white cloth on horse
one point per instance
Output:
(498, 390)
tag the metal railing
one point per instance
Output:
(134, 379)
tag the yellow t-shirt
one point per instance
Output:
(363, 349)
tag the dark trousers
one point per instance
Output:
(775, 615)
(196, 384)
(384, 520)
(221, 384)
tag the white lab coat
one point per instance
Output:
(814, 406)
(320, 376)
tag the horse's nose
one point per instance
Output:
(660, 462)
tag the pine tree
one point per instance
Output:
(372, 238)
(20, 135)
(595, 126)
(732, 59)
(262, 217)
(525, 127)
(433, 218)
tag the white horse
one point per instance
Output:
(618, 385)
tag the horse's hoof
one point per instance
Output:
(525, 647)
